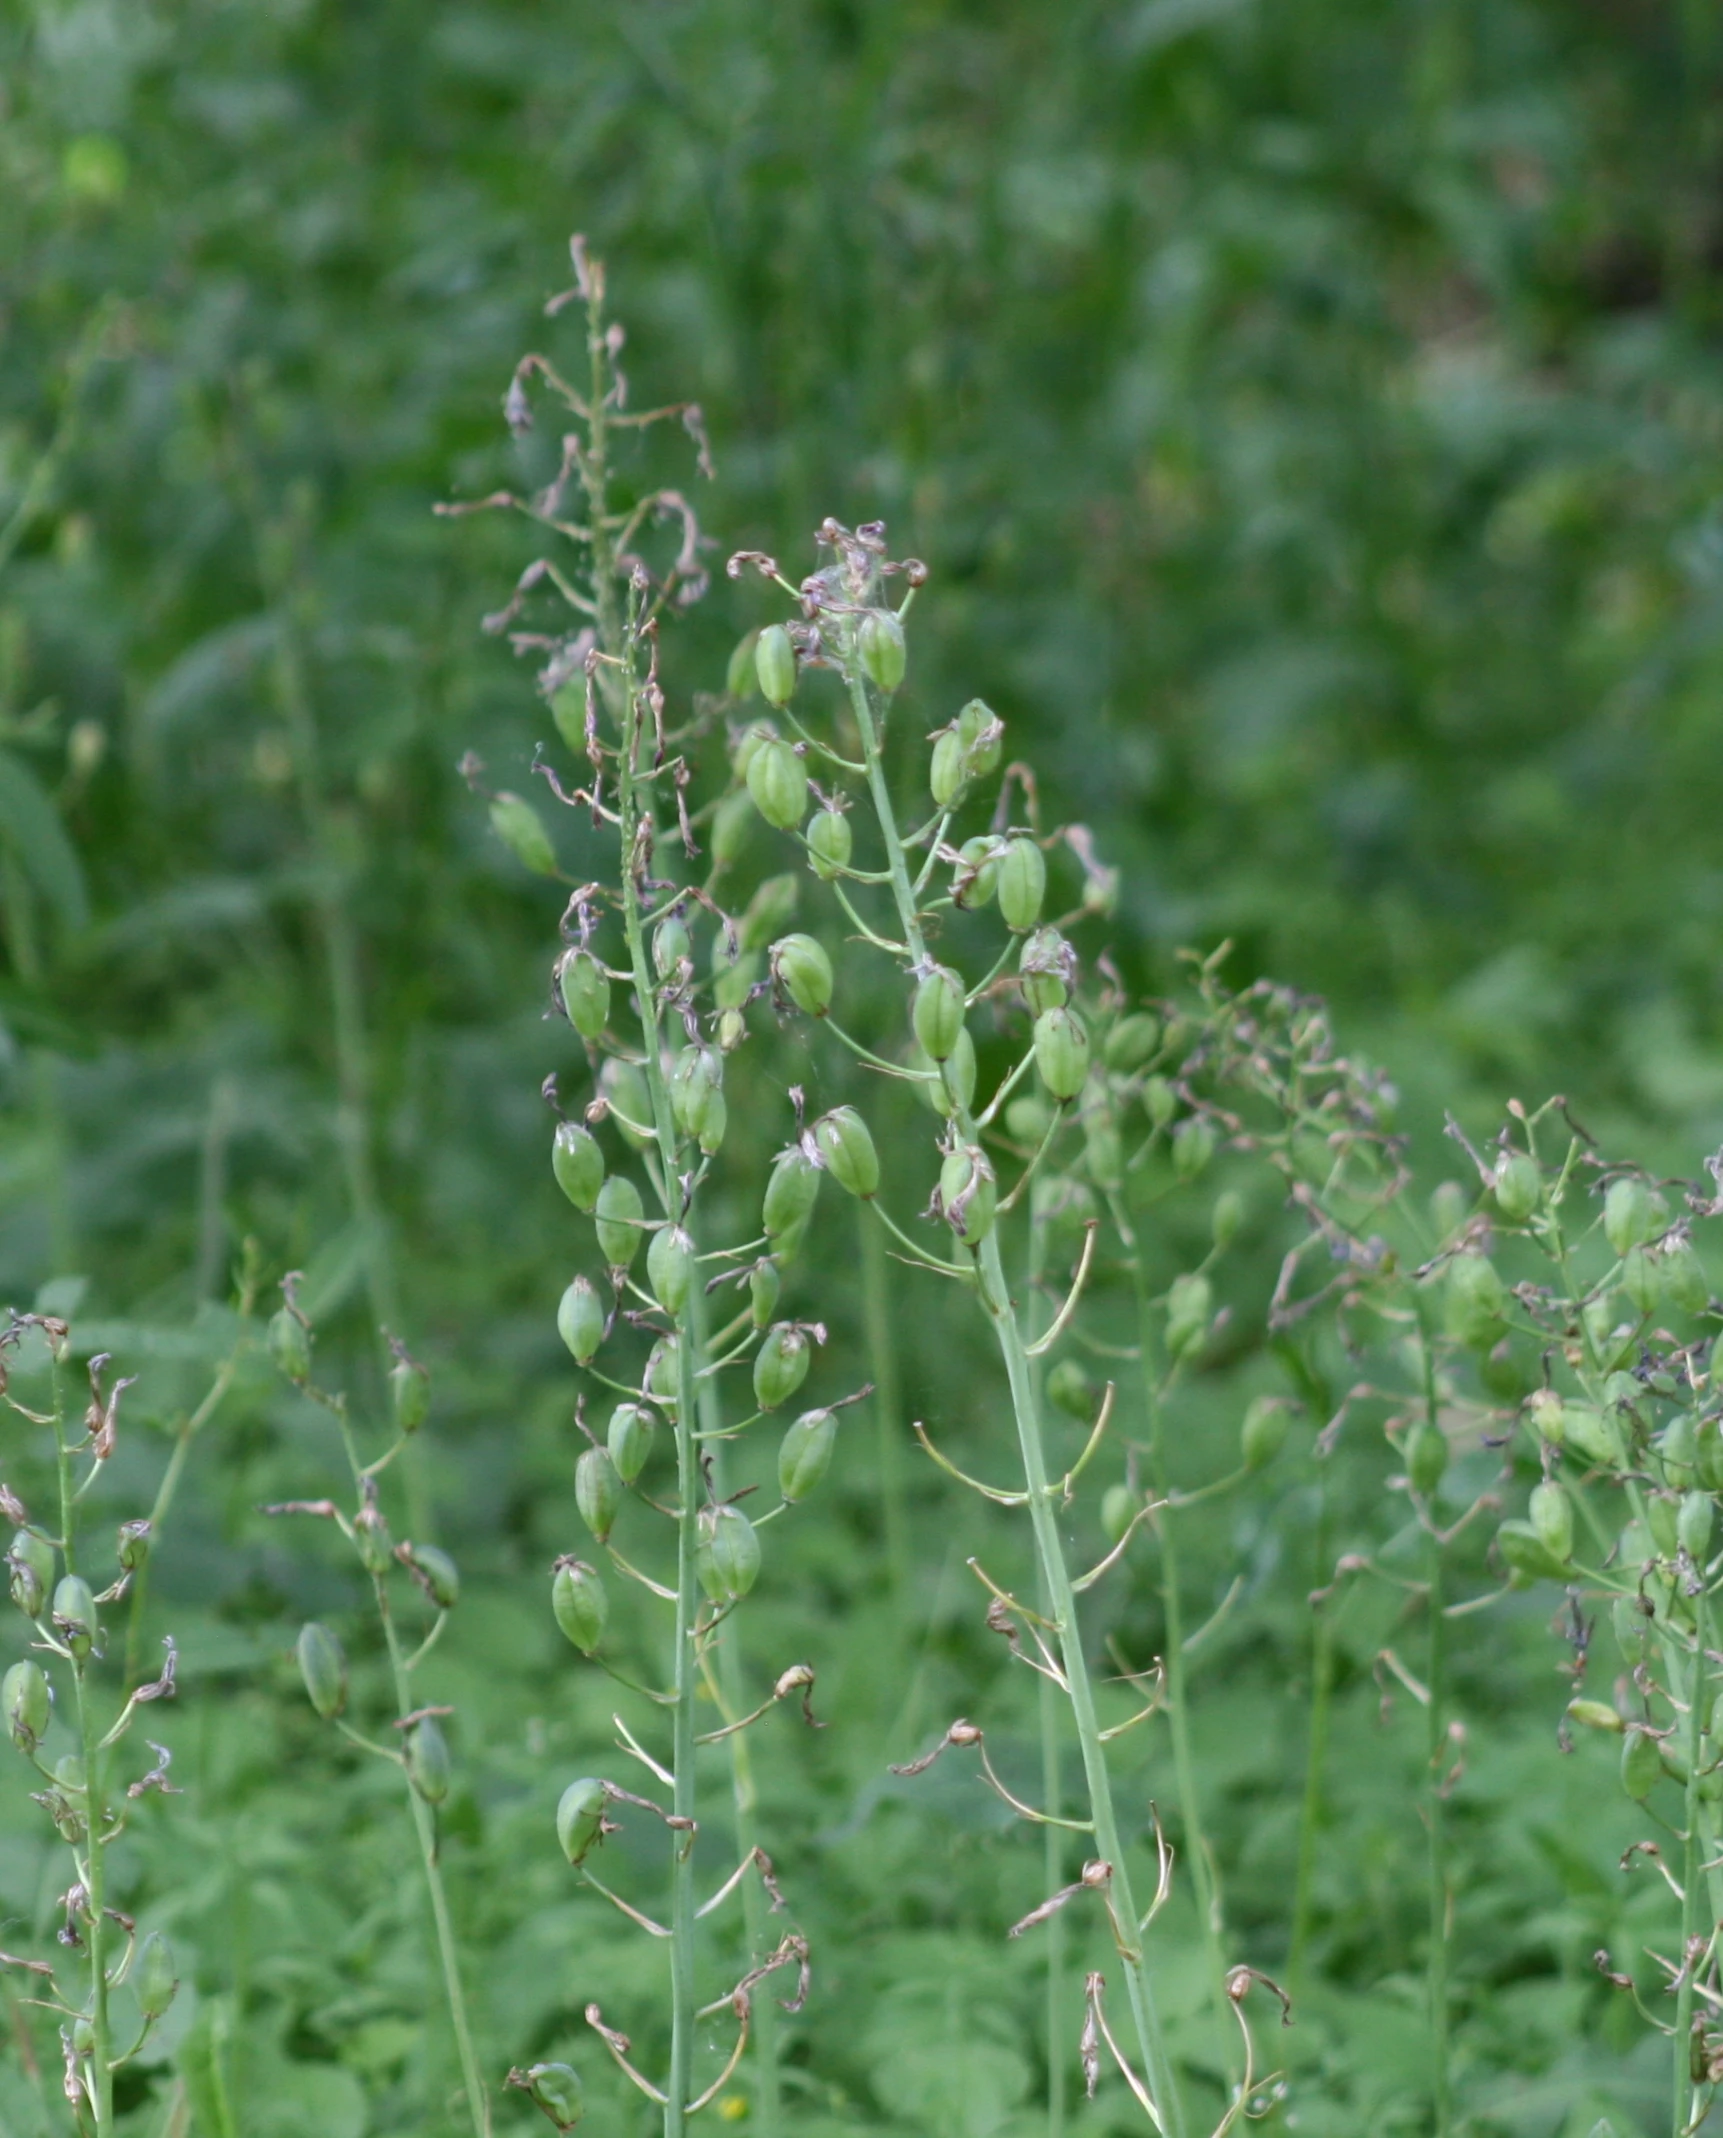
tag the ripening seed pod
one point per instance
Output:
(781, 1363)
(427, 1756)
(1160, 1101)
(727, 1553)
(584, 989)
(518, 825)
(630, 1439)
(801, 970)
(1069, 1389)
(1592, 1434)
(1679, 1442)
(775, 665)
(1226, 1217)
(1062, 1052)
(28, 1701)
(946, 1087)
(1193, 1146)
(1131, 1042)
(410, 1393)
(752, 738)
(1426, 1457)
(1526, 1556)
(1629, 1214)
(580, 1817)
(1263, 1433)
(1022, 883)
(662, 1380)
(323, 1666)
(438, 1574)
(556, 2089)
(764, 1285)
(1518, 1186)
(805, 1453)
(884, 655)
(597, 1491)
(1631, 1619)
(1103, 1148)
(30, 1560)
(578, 1163)
(580, 1320)
(727, 835)
(1551, 1513)
(578, 1603)
(1028, 1118)
(1595, 1715)
(290, 1344)
(1708, 1453)
(1641, 1763)
(1693, 1526)
(732, 1030)
(670, 1267)
(624, 1087)
(740, 676)
(672, 946)
(769, 912)
(75, 1618)
(1119, 1505)
(155, 1981)
(1476, 1298)
(975, 876)
(695, 1081)
(846, 1146)
(778, 784)
(568, 710)
(1661, 1521)
(1046, 971)
(1189, 1300)
(132, 1545)
(1639, 1280)
(620, 1216)
(982, 734)
(1684, 1278)
(1544, 1415)
(830, 843)
(945, 774)
(968, 1194)
(936, 1012)
(790, 1193)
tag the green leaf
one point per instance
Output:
(30, 825)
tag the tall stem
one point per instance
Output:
(887, 1401)
(1436, 1802)
(1316, 1756)
(1686, 2103)
(1048, 1719)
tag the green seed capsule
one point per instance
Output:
(438, 1574)
(946, 775)
(580, 1818)
(662, 1380)
(740, 677)
(597, 1491)
(568, 710)
(83, 2035)
(1595, 1715)
(323, 1666)
(672, 947)
(584, 989)
(1660, 1520)
(1131, 1042)
(1476, 1298)
(580, 1320)
(778, 785)
(1708, 1453)
(630, 1439)
(982, 734)
(619, 1214)
(28, 1702)
(1426, 1457)
(670, 1267)
(752, 739)
(1226, 1217)
(556, 2089)
(132, 1545)
(410, 1393)
(30, 1561)
(1070, 1390)
(517, 824)
(884, 655)
(1263, 1434)
(1629, 1214)
(790, 1193)
(732, 821)
(1526, 1556)
(1193, 1146)
(805, 1453)
(1632, 1622)
(1693, 1526)
(1027, 1119)
(936, 1012)
(1022, 884)
(1160, 1101)
(578, 1603)
(1679, 1445)
(578, 1163)
(946, 1087)
(1062, 1052)
(1190, 1300)
(1518, 1186)
(764, 1285)
(624, 1087)
(1119, 1505)
(968, 1194)
(1684, 1279)
(290, 1344)
(1551, 1514)
(427, 1757)
(75, 1618)
(801, 970)
(695, 1081)
(847, 1148)
(727, 1553)
(714, 1121)
(775, 665)
(830, 843)
(1639, 1280)
(976, 877)
(769, 912)
(1641, 1764)
(1046, 971)
(155, 1980)
(781, 1364)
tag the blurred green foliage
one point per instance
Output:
(1312, 420)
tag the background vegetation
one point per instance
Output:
(1311, 418)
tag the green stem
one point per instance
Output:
(887, 1401)
(1435, 1677)
(1052, 1775)
(1686, 2092)
(1316, 1756)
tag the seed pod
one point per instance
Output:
(580, 1320)
(75, 1618)
(672, 946)
(1628, 1214)
(662, 1380)
(555, 2088)
(1693, 1526)
(670, 1267)
(790, 1193)
(578, 1603)
(1476, 1297)
(1708, 1453)
(410, 1393)
(1070, 1390)
(1595, 1715)
(801, 970)
(1427, 1454)
(290, 1345)
(1526, 1556)
(30, 1560)
(946, 775)
(1160, 1101)
(1226, 1217)
(83, 2035)
(1119, 1506)
(884, 655)
(975, 876)
(630, 1439)
(778, 785)
(726, 1554)
(438, 1574)
(1263, 1434)
(732, 1030)
(1518, 1186)
(847, 1147)
(517, 824)
(1639, 1280)
(28, 1702)
(1552, 1517)
(752, 738)
(1062, 1052)
(781, 1364)
(597, 1490)
(132, 1545)
(936, 1012)
(1660, 1520)
(946, 1087)
(769, 912)
(1022, 883)
(584, 988)
(1046, 971)
(982, 734)
(1131, 1042)
(620, 1215)
(578, 1163)
(1630, 1616)
(968, 1194)
(740, 677)
(154, 1979)
(1189, 1300)
(830, 843)
(1544, 1415)
(775, 665)
(1679, 1442)
(695, 1083)
(1028, 1118)
(427, 1755)
(805, 1453)
(624, 1087)
(1641, 1764)
(732, 821)
(323, 1666)
(1684, 1279)
(1193, 1146)
(580, 1817)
